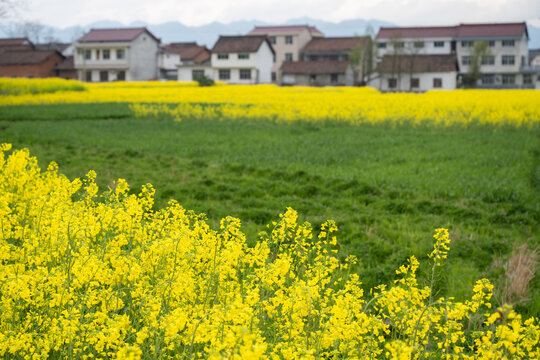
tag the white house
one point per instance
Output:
(195, 61)
(417, 73)
(504, 65)
(129, 54)
(243, 60)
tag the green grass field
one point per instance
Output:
(387, 188)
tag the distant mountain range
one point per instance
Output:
(207, 35)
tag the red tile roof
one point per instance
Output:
(112, 35)
(189, 51)
(286, 29)
(459, 31)
(334, 44)
(26, 57)
(491, 30)
(417, 32)
(420, 63)
(15, 42)
(314, 67)
(240, 44)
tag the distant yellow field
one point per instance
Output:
(289, 104)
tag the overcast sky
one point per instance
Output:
(64, 13)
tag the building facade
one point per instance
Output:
(195, 61)
(243, 60)
(417, 73)
(287, 42)
(503, 62)
(127, 54)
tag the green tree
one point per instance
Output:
(479, 52)
(362, 58)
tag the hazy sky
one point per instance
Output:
(63, 13)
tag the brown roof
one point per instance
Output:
(15, 42)
(111, 35)
(290, 29)
(240, 44)
(417, 32)
(66, 64)
(26, 57)
(420, 63)
(459, 31)
(335, 44)
(52, 46)
(491, 30)
(314, 67)
(189, 51)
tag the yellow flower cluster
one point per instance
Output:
(440, 248)
(22, 86)
(316, 105)
(88, 276)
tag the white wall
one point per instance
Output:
(264, 60)
(449, 81)
(169, 60)
(233, 61)
(185, 73)
(429, 47)
(143, 58)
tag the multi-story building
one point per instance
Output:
(324, 61)
(243, 59)
(287, 42)
(503, 62)
(129, 54)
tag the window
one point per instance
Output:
(106, 54)
(98, 54)
(437, 82)
(415, 82)
(467, 43)
(333, 78)
(438, 44)
(312, 78)
(222, 56)
(274, 58)
(508, 43)
(224, 74)
(88, 76)
(197, 74)
(103, 76)
(243, 56)
(272, 40)
(120, 54)
(418, 44)
(508, 79)
(245, 74)
(399, 45)
(508, 59)
(392, 83)
(273, 76)
(466, 60)
(288, 39)
(488, 79)
(381, 45)
(488, 60)
(121, 76)
(523, 61)
(527, 79)
(288, 56)
(88, 54)
(491, 43)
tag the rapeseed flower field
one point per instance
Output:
(90, 275)
(313, 105)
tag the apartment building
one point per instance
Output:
(287, 42)
(243, 59)
(504, 64)
(126, 54)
